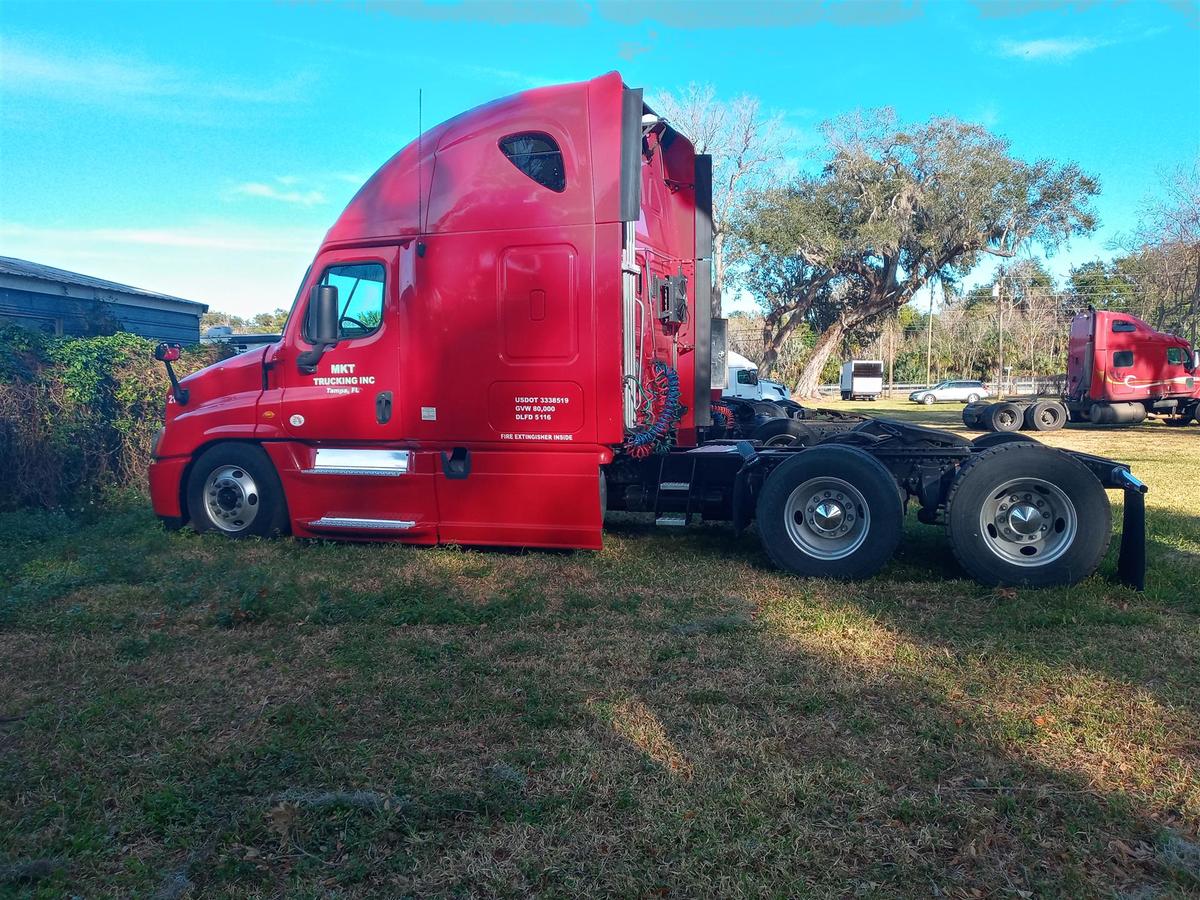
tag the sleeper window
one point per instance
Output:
(1121, 325)
(538, 156)
(1123, 359)
(360, 297)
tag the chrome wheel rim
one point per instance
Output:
(827, 518)
(1028, 522)
(231, 498)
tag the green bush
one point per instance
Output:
(78, 415)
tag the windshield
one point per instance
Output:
(296, 299)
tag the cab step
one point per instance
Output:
(672, 520)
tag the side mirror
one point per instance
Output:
(321, 323)
(320, 327)
(165, 352)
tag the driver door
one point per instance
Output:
(351, 396)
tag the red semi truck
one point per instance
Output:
(507, 332)
(1119, 371)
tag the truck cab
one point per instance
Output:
(473, 338)
(1120, 369)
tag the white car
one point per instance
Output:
(954, 391)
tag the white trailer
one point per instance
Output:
(862, 379)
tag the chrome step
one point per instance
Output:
(674, 486)
(672, 520)
(362, 524)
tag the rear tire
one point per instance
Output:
(1055, 532)
(830, 512)
(1003, 417)
(234, 489)
(996, 438)
(1047, 415)
(784, 433)
(972, 416)
(768, 408)
(972, 398)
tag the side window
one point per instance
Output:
(360, 297)
(747, 376)
(1176, 356)
(1123, 359)
(1121, 325)
(537, 155)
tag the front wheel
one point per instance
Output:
(234, 489)
(928, 400)
(1025, 514)
(830, 512)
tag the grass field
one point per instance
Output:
(668, 717)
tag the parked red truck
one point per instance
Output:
(508, 332)
(1119, 371)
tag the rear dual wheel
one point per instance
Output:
(1002, 417)
(1047, 415)
(830, 512)
(1021, 513)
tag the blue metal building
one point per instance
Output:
(66, 303)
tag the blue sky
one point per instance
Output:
(203, 150)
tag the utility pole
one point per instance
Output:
(929, 341)
(891, 334)
(999, 295)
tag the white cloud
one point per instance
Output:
(1053, 49)
(91, 76)
(1062, 49)
(270, 192)
(211, 237)
(226, 265)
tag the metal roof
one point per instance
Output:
(22, 267)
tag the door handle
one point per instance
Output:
(383, 407)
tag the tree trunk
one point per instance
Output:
(775, 335)
(810, 378)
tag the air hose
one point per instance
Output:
(661, 411)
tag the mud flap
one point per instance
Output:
(743, 497)
(1131, 564)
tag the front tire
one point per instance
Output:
(1025, 514)
(928, 399)
(234, 489)
(830, 512)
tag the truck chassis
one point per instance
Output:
(832, 504)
